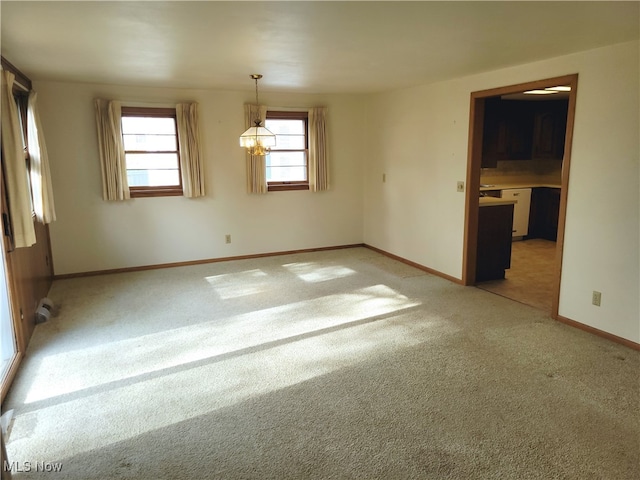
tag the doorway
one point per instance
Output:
(9, 324)
(474, 168)
(9, 348)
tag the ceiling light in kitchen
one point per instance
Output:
(560, 88)
(540, 92)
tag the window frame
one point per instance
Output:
(291, 115)
(161, 190)
(21, 97)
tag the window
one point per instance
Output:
(22, 100)
(287, 166)
(152, 153)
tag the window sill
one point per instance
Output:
(154, 192)
(282, 187)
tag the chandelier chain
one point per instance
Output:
(257, 103)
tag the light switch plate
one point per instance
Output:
(596, 298)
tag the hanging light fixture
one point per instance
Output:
(257, 140)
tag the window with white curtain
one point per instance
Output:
(287, 165)
(152, 151)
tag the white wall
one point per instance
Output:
(91, 234)
(419, 139)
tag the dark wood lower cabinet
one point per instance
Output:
(494, 241)
(543, 216)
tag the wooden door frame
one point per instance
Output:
(474, 161)
(13, 306)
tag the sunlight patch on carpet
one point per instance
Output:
(239, 284)
(312, 272)
(135, 357)
(129, 409)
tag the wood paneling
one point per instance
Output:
(29, 270)
(30, 274)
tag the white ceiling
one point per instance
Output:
(316, 47)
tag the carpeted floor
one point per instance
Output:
(334, 364)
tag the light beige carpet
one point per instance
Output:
(316, 366)
(394, 267)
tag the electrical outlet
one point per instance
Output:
(460, 187)
(596, 297)
(227, 239)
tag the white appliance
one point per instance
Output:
(522, 197)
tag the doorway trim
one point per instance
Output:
(11, 291)
(474, 162)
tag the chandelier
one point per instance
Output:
(257, 139)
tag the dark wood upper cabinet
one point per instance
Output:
(507, 131)
(549, 127)
(494, 146)
(519, 128)
(494, 136)
(523, 130)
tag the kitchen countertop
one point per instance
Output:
(493, 201)
(506, 186)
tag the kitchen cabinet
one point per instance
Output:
(523, 130)
(549, 128)
(522, 199)
(494, 241)
(506, 132)
(494, 139)
(544, 212)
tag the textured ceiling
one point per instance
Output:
(316, 47)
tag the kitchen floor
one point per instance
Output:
(530, 278)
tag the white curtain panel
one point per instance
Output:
(318, 162)
(24, 234)
(41, 187)
(256, 166)
(111, 148)
(190, 150)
